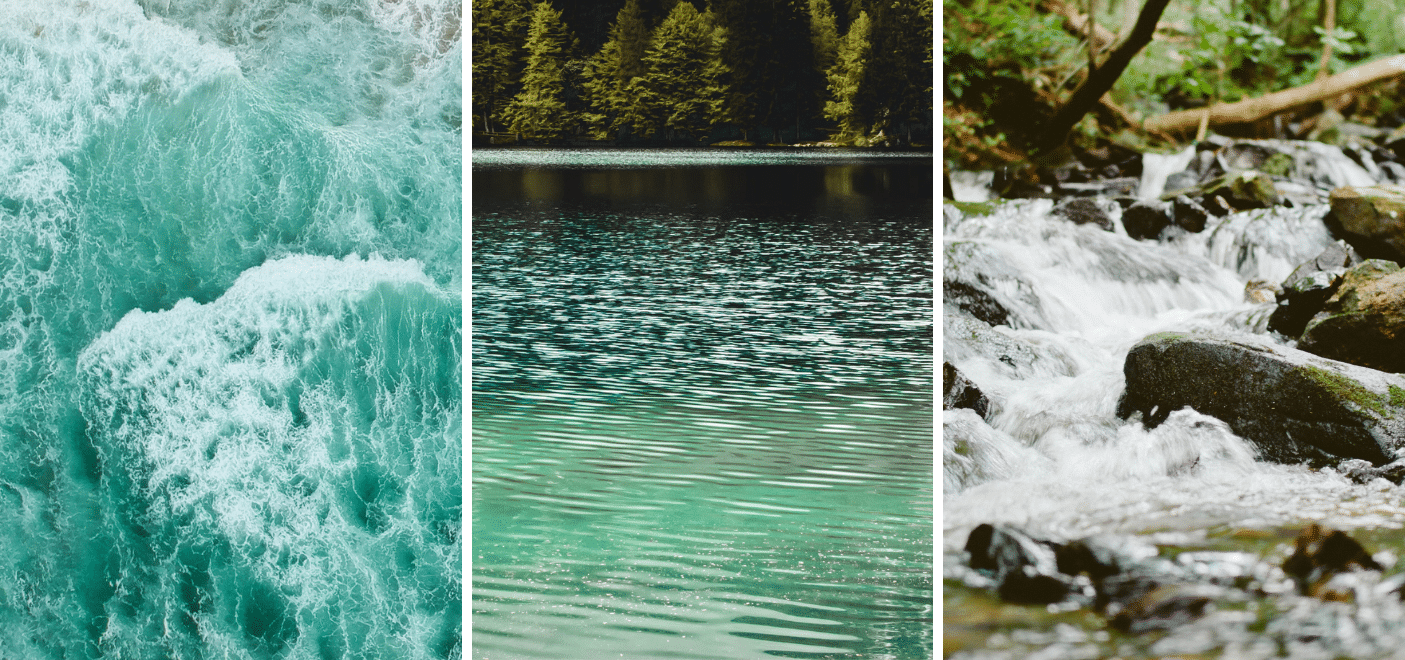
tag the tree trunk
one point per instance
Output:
(1097, 84)
(1249, 110)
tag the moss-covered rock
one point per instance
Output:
(1294, 406)
(1363, 322)
(1372, 219)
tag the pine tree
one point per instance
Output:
(539, 110)
(824, 36)
(609, 72)
(846, 80)
(682, 89)
(897, 89)
(499, 32)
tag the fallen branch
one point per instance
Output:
(1251, 110)
(1077, 24)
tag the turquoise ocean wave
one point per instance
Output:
(230, 335)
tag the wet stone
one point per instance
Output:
(1083, 211)
(1145, 221)
(959, 392)
(1188, 214)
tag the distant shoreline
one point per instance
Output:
(481, 141)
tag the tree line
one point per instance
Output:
(670, 71)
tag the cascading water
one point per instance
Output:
(1062, 306)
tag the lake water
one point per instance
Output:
(230, 330)
(702, 405)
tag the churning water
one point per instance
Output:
(230, 407)
(702, 406)
(1054, 459)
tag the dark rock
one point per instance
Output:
(1372, 219)
(978, 279)
(1143, 220)
(1294, 406)
(1188, 214)
(959, 392)
(1308, 288)
(975, 302)
(1024, 568)
(1319, 554)
(1080, 557)
(1083, 211)
(1363, 322)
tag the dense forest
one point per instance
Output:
(852, 72)
(1314, 69)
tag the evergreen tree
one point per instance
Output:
(846, 80)
(609, 72)
(771, 62)
(499, 33)
(896, 95)
(539, 110)
(682, 89)
(824, 35)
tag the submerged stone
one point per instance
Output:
(1320, 554)
(1293, 406)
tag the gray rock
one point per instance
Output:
(1293, 406)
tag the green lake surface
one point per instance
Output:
(701, 405)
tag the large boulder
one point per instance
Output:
(1363, 322)
(1372, 219)
(1294, 406)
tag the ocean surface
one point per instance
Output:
(702, 405)
(230, 329)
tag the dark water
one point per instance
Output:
(702, 407)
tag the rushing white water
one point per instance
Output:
(1052, 457)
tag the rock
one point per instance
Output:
(1083, 211)
(978, 279)
(1372, 219)
(1261, 291)
(1243, 190)
(1024, 568)
(1162, 608)
(975, 302)
(1309, 286)
(1143, 220)
(1362, 472)
(1363, 322)
(1188, 214)
(1293, 406)
(1319, 554)
(959, 392)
